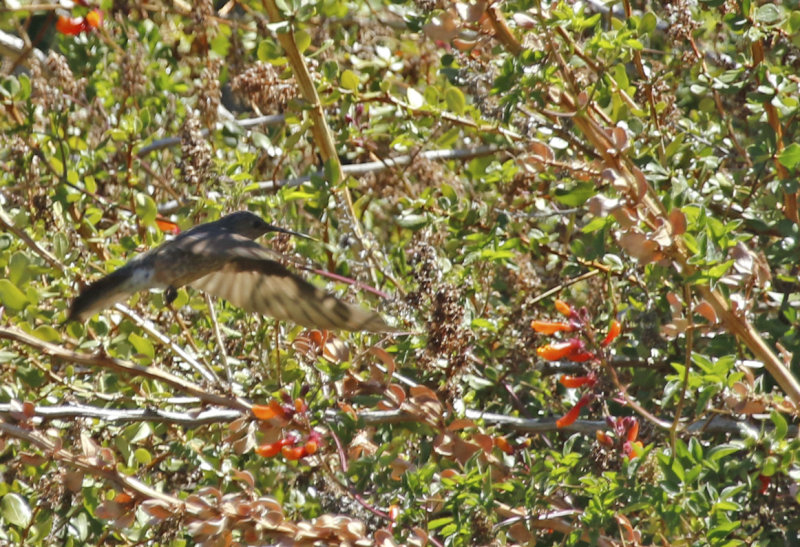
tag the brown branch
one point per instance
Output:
(735, 323)
(109, 473)
(714, 425)
(194, 417)
(124, 367)
(502, 33)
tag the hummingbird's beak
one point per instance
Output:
(278, 229)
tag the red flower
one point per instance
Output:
(551, 327)
(604, 438)
(271, 449)
(613, 331)
(167, 226)
(266, 412)
(394, 512)
(570, 417)
(572, 349)
(94, 18)
(564, 308)
(72, 26)
(573, 382)
(503, 444)
(633, 449)
(559, 350)
(293, 452)
(764, 480)
(633, 430)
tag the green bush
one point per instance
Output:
(507, 182)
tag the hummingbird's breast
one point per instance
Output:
(179, 263)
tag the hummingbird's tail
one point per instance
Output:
(108, 290)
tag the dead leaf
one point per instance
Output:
(472, 12)
(707, 311)
(639, 246)
(677, 220)
(157, 509)
(442, 28)
(524, 20)
(600, 206)
(460, 423)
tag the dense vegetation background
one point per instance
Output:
(508, 181)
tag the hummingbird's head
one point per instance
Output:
(250, 225)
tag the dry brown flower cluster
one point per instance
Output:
(261, 86)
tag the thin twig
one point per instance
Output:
(223, 355)
(125, 367)
(168, 142)
(191, 418)
(150, 329)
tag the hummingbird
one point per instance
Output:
(222, 259)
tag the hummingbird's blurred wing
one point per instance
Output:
(258, 284)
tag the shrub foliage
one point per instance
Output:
(584, 216)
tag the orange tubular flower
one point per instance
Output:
(311, 447)
(293, 452)
(570, 417)
(71, 26)
(559, 350)
(604, 439)
(503, 444)
(573, 382)
(613, 331)
(167, 226)
(551, 327)
(633, 432)
(267, 412)
(268, 450)
(581, 356)
(633, 449)
(563, 308)
(764, 483)
(271, 449)
(394, 512)
(94, 18)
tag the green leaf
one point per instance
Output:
(719, 270)
(142, 456)
(47, 333)
(268, 51)
(576, 195)
(648, 23)
(790, 156)
(18, 269)
(781, 427)
(721, 451)
(438, 523)
(142, 346)
(302, 39)
(412, 221)
(414, 98)
(349, 80)
(11, 296)
(455, 100)
(260, 140)
(332, 171)
(769, 14)
(15, 510)
(220, 44)
(794, 21)
(146, 209)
